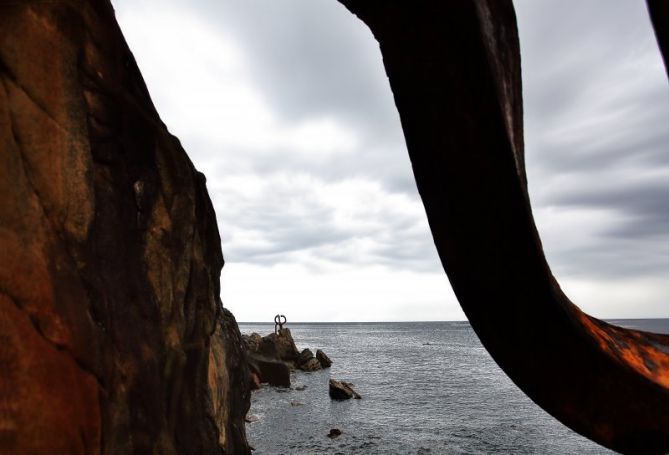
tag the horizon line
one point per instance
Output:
(434, 320)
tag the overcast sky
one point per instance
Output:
(285, 106)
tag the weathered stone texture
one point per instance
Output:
(111, 326)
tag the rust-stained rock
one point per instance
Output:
(112, 334)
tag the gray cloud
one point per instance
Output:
(597, 100)
(596, 104)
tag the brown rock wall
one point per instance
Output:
(111, 324)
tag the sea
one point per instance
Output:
(427, 388)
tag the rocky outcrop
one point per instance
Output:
(113, 335)
(281, 345)
(280, 348)
(323, 359)
(307, 362)
(340, 390)
(252, 342)
(270, 371)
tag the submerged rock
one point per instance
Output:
(334, 432)
(323, 359)
(340, 390)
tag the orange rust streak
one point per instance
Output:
(646, 353)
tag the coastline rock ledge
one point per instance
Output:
(271, 358)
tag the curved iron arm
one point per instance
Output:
(454, 69)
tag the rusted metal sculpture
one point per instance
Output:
(454, 69)
(279, 321)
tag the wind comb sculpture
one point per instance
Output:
(454, 69)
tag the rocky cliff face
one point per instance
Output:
(112, 334)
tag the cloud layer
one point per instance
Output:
(287, 110)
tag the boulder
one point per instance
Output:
(304, 357)
(252, 342)
(340, 390)
(267, 348)
(323, 359)
(271, 371)
(312, 365)
(307, 362)
(334, 432)
(281, 345)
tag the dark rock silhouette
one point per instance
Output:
(311, 365)
(323, 359)
(252, 342)
(334, 432)
(304, 357)
(340, 390)
(454, 69)
(270, 371)
(278, 347)
(114, 339)
(281, 345)
(272, 357)
(307, 362)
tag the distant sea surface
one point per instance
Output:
(427, 388)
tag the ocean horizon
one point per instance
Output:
(428, 387)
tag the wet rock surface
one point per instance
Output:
(340, 390)
(323, 359)
(280, 347)
(334, 432)
(270, 371)
(114, 338)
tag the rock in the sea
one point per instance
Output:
(340, 390)
(113, 336)
(323, 359)
(271, 371)
(312, 365)
(307, 362)
(334, 432)
(283, 346)
(252, 342)
(304, 357)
